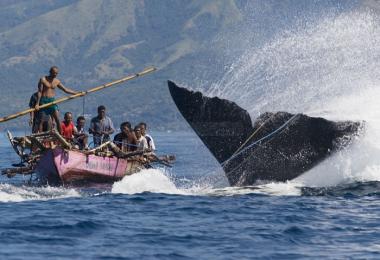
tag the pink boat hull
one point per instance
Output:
(66, 166)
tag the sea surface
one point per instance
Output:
(320, 58)
(187, 212)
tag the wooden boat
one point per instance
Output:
(55, 161)
(68, 166)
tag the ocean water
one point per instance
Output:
(187, 212)
(321, 58)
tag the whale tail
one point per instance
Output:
(277, 147)
(221, 124)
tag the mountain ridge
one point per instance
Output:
(93, 42)
(97, 41)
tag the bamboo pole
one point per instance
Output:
(80, 94)
(100, 147)
(63, 141)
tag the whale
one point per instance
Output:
(276, 147)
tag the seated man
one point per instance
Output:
(141, 142)
(68, 130)
(148, 138)
(125, 140)
(101, 127)
(81, 138)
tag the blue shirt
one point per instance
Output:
(101, 125)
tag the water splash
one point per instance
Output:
(11, 193)
(304, 68)
(327, 67)
(157, 181)
(151, 180)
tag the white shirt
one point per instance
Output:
(151, 142)
(142, 144)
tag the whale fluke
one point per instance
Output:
(277, 147)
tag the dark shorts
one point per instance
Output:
(48, 110)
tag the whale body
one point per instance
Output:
(276, 147)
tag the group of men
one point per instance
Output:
(136, 140)
(101, 126)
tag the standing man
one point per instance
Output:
(46, 94)
(101, 127)
(34, 120)
(38, 117)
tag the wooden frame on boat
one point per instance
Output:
(56, 161)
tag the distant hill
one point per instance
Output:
(95, 41)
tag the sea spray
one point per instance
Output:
(11, 193)
(150, 180)
(159, 181)
(307, 66)
(328, 68)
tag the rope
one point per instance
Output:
(258, 141)
(156, 150)
(83, 105)
(116, 142)
(253, 134)
(129, 144)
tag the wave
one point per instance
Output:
(11, 193)
(150, 180)
(160, 181)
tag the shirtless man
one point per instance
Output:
(46, 94)
(125, 140)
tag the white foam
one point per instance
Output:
(157, 181)
(150, 180)
(290, 188)
(11, 193)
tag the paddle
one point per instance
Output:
(80, 94)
